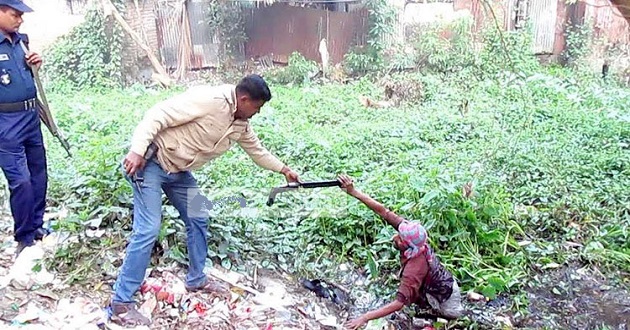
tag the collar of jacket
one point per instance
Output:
(232, 100)
(230, 97)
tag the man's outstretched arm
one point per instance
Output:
(262, 157)
(392, 218)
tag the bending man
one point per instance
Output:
(184, 133)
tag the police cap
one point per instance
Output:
(18, 5)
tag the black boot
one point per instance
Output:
(40, 233)
(21, 246)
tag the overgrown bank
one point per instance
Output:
(543, 173)
(513, 167)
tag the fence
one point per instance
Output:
(280, 29)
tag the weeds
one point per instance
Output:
(512, 168)
(482, 182)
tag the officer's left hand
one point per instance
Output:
(34, 59)
(290, 175)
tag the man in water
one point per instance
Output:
(423, 279)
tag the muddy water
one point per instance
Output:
(566, 298)
(578, 298)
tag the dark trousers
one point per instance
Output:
(23, 161)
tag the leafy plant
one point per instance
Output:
(368, 58)
(512, 167)
(226, 19)
(361, 61)
(577, 42)
(298, 71)
(382, 16)
(89, 56)
(444, 48)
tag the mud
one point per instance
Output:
(577, 297)
(571, 297)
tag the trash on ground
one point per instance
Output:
(473, 296)
(77, 315)
(326, 291)
(27, 270)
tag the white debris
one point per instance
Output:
(473, 296)
(28, 270)
(32, 313)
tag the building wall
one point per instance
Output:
(279, 30)
(606, 19)
(141, 19)
(484, 14)
(612, 33)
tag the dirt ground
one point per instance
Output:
(569, 297)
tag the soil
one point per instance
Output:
(569, 297)
(577, 297)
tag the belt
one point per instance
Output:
(18, 106)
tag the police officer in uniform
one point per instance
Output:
(22, 153)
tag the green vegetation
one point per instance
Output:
(512, 166)
(551, 172)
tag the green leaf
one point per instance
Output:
(372, 265)
(489, 291)
(226, 263)
(497, 283)
(427, 198)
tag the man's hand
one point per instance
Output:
(376, 314)
(34, 59)
(356, 323)
(290, 175)
(346, 184)
(133, 162)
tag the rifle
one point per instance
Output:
(44, 109)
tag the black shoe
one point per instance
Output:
(40, 233)
(21, 246)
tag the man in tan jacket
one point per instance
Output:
(185, 132)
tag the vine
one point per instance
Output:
(90, 56)
(361, 60)
(578, 42)
(382, 16)
(225, 18)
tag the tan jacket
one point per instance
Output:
(196, 127)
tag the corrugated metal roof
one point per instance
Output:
(205, 46)
(168, 16)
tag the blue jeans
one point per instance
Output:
(180, 188)
(23, 161)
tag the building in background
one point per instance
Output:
(551, 21)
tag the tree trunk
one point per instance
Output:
(162, 76)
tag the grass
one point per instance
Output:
(547, 156)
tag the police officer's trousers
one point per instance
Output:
(23, 161)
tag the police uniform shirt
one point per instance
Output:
(16, 80)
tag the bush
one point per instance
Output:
(298, 71)
(89, 56)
